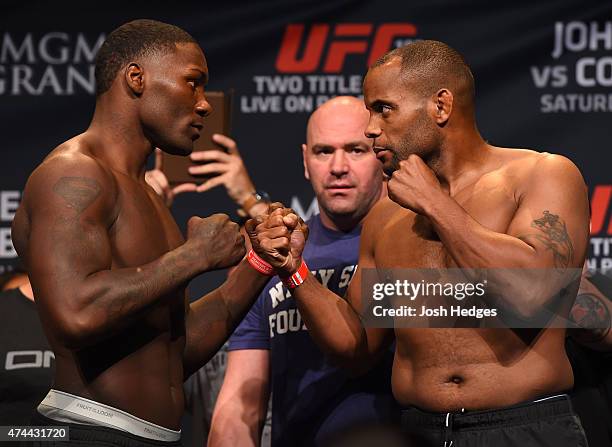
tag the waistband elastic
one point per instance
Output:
(558, 405)
(65, 407)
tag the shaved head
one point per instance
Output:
(341, 111)
(429, 65)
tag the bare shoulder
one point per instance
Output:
(73, 174)
(527, 168)
(376, 215)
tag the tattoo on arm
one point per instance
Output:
(78, 192)
(553, 235)
(592, 317)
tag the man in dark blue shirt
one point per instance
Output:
(271, 350)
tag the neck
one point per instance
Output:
(339, 223)
(121, 140)
(461, 152)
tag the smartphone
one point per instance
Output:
(176, 167)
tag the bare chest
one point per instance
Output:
(409, 240)
(144, 229)
(143, 232)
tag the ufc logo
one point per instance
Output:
(600, 208)
(359, 33)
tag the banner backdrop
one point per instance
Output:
(543, 75)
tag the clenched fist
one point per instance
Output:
(279, 238)
(414, 185)
(216, 240)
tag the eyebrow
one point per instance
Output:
(349, 145)
(202, 74)
(320, 146)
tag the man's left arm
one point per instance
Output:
(211, 319)
(548, 232)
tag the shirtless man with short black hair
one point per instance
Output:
(457, 201)
(111, 285)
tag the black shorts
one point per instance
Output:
(551, 422)
(89, 435)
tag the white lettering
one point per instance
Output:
(604, 71)
(295, 320)
(282, 325)
(272, 324)
(295, 104)
(28, 359)
(9, 202)
(325, 275)
(7, 250)
(260, 104)
(277, 294)
(44, 50)
(346, 275)
(581, 67)
(605, 36)
(49, 79)
(576, 36)
(88, 84)
(21, 77)
(558, 42)
(8, 46)
(81, 48)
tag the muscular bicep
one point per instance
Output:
(553, 216)
(68, 232)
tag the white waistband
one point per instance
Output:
(549, 397)
(66, 407)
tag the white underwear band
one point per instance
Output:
(66, 407)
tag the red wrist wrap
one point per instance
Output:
(259, 264)
(298, 277)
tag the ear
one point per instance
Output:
(304, 151)
(134, 78)
(443, 100)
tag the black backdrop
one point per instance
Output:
(543, 75)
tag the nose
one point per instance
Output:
(373, 129)
(339, 163)
(203, 108)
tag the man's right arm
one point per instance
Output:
(71, 207)
(334, 323)
(241, 407)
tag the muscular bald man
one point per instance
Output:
(110, 287)
(457, 201)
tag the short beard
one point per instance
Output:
(426, 144)
(394, 164)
